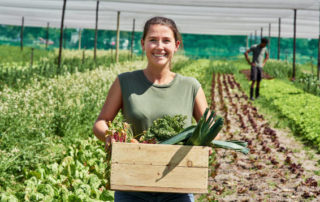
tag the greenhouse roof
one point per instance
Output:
(217, 17)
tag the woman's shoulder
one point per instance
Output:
(127, 76)
(189, 80)
(130, 74)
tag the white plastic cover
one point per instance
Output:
(217, 17)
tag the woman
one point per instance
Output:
(148, 94)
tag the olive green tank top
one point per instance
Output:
(144, 102)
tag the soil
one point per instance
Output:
(246, 72)
(277, 168)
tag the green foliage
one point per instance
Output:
(18, 75)
(205, 130)
(13, 54)
(223, 67)
(47, 150)
(232, 144)
(37, 126)
(309, 83)
(165, 127)
(79, 175)
(300, 108)
(280, 69)
(305, 79)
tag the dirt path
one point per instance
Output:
(277, 168)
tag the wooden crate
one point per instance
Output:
(159, 168)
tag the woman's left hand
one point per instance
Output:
(109, 140)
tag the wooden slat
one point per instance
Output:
(158, 189)
(159, 168)
(150, 154)
(149, 176)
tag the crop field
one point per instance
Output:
(279, 167)
(49, 153)
(48, 150)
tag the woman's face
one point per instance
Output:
(159, 45)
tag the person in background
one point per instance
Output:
(148, 94)
(260, 56)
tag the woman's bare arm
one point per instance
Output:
(109, 110)
(200, 106)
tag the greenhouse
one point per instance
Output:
(242, 82)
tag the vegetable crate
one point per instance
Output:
(159, 168)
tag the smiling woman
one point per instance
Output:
(159, 46)
(148, 94)
(160, 40)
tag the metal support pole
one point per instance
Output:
(255, 36)
(47, 36)
(96, 33)
(261, 33)
(318, 73)
(269, 39)
(61, 33)
(132, 37)
(118, 37)
(250, 40)
(247, 42)
(294, 45)
(279, 32)
(21, 34)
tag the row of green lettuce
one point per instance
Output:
(47, 149)
(78, 176)
(306, 75)
(291, 105)
(300, 108)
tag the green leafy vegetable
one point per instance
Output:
(164, 128)
(204, 133)
(205, 130)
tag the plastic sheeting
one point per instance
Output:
(220, 17)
